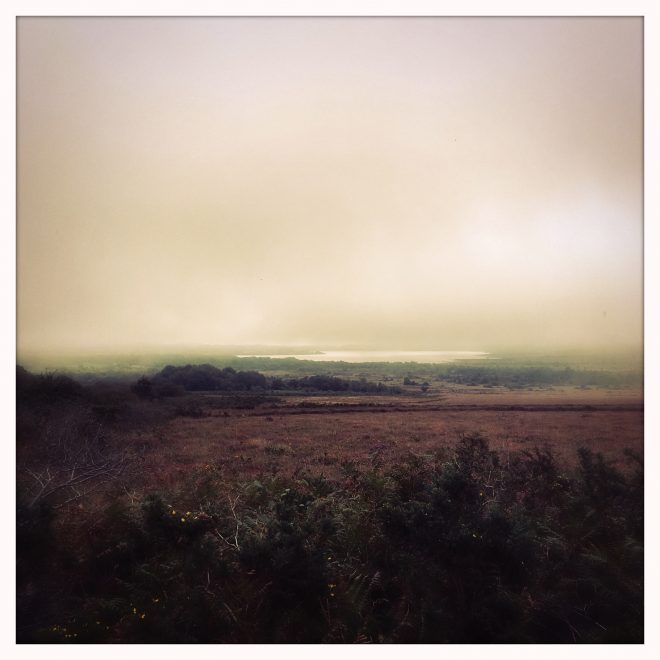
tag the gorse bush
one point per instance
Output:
(463, 547)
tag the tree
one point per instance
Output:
(143, 388)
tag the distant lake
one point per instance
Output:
(429, 357)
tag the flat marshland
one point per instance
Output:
(318, 432)
(392, 503)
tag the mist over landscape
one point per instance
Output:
(458, 184)
(330, 330)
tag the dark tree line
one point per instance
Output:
(538, 376)
(331, 384)
(205, 377)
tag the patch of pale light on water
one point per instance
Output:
(432, 357)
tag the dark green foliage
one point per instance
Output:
(520, 377)
(333, 384)
(33, 538)
(205, 377)
(50, 387)
(143, 388)
(464, 548)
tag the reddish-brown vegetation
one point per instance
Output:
(319, 434)
(166, 518)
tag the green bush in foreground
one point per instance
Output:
(463, 548)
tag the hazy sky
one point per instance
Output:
(402, 183)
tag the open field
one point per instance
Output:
(320, 433)
(244, 436)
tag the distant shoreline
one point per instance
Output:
(360, 357)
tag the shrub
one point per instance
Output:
(462, 549)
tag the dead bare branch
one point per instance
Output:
(81, 458)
